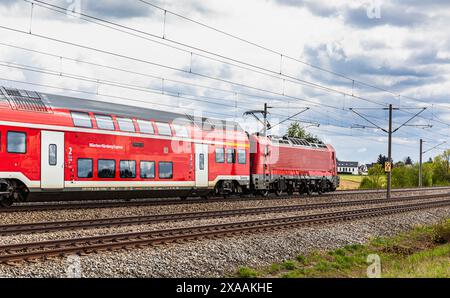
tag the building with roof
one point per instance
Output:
(348, 167)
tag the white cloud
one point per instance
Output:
(410, 61)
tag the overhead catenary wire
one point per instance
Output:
(256, 68)
(315, 103)
(122, 85)
(166, 67)
(60, 58)
(324, 88)
(172, 106)
(279, 53)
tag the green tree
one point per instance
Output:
(382, 159)
(441, 169)
(374, 179)
(296, 131)
(408, 161)
(403, 176)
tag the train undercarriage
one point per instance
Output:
(11, 191)
(285, 185)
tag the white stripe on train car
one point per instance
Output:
(117, 133)
(19, 176)
(33, 184)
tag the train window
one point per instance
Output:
(201, 161)
(126, 124)
(145, 126)
(220, 155)
(81, 119)
(181, 131)
(85, 168)
(147, 169)
(17, 142)
(127, 169)
(104, 122)
(242, 156)
(106, 168)
(163, 129)
(165, 170)
(231, 155)
(52, 155)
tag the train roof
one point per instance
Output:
(297, 141)
(44, 102)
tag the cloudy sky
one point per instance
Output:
(164, 61)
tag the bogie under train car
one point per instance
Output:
(56, 147)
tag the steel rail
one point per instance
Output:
(42, 227)
(26, 207)
(57, 248)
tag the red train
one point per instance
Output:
(58, 147)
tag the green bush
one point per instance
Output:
(275, 268)
(441, 232)
(301, 259)
(288, 265)
(374, 179)
(246, 272)
(404, 176)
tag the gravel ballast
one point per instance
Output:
(221, 257)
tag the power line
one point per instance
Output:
(165, 66)
(160, 78)
(310, 84)
(105, 95)
(278, 53)
(149, 62)
(171, 106)
(269, 91)
(274, 74)
(176, 95)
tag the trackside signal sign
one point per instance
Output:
(387, 167)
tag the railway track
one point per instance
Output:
(25, 207)
(56, 248)
(43, 227)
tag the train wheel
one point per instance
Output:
(6, 201)
(183, 198)
(264, 193)
(308, 191)
(279, 192)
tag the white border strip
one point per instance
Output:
(118, 133)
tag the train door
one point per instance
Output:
(201, 165)
(52, 160)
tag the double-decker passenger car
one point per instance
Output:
(60, 147)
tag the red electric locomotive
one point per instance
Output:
(65, 148)
(288, 165)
